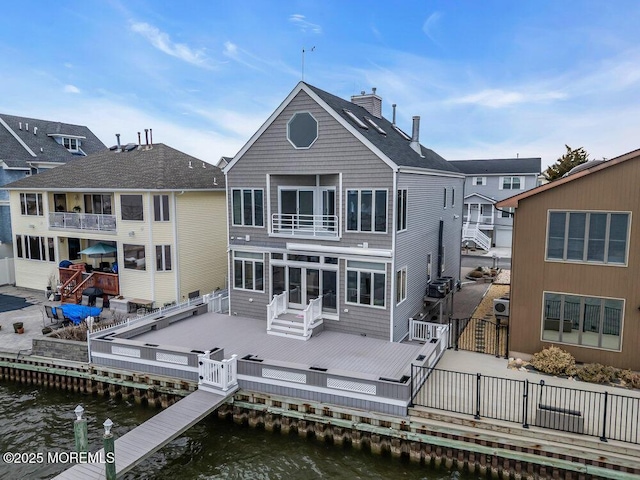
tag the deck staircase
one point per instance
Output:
(287, 322)
(472, 233)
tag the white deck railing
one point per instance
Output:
(425, 331)
(311, 314)
(218, 301)
(82, 221)
(221, 375)
(304, 225)
(277, 307)
(473, 233)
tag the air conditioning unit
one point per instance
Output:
(501, 307)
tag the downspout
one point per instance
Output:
(392, 309)
(440, 243)
(153, 253)
(174, 253)
(229, 272)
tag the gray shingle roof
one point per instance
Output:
(393, 144)
(499, 165)
(45, 147)
(158, 168)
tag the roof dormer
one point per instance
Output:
(71, 142)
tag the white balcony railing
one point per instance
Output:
(304, 225)
(82, 221)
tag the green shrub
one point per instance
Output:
(554, 361)
(630, 379)
(596, 373)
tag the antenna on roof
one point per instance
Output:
(303, 52)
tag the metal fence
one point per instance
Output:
(599, 414)
(482, 335)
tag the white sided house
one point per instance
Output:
(159, 212)
(338, 220)
(487, 182)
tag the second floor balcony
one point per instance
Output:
(305, 225)
(82, 221)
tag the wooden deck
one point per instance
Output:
(146, 439)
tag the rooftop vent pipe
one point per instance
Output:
(146, 136)
(138, 138)
(20, 125)
(118, 141)
(415, 135)
(394, 114)
(26, 126)
(151, 136)
(35, 130)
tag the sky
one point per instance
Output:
(490, 79)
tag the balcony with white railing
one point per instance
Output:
(298, 225)
(82, 221)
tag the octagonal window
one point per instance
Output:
(302, 130)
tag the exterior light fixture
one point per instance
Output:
(107, 427)
(79, 411)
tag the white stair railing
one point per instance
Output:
(277, 307)
(311, 314)
(473, 233)
(425, 331)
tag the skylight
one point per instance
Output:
(404, 135)
(356, 120)
(375, 125)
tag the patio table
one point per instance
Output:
(77, 313)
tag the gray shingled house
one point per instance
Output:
(29, 146)
(338, 220)
(487, 182)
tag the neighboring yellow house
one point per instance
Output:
(162, 210)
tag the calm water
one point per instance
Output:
(41, 420)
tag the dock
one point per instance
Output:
(146, 439)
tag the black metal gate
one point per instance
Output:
(482, 335)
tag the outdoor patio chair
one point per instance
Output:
(85, 300)
(51, 314)
(66, 321)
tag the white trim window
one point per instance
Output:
(594, 322)
(161, 208)
(35, 248)
(507, 212)
(31, 204)
(511, 183)
(479, 181)
(247, 207)
(588, 237)
(71, 144)
(163, 258)
(401, 285)
(367, 211)
(366, 283)
(248, 271)
(401, 210)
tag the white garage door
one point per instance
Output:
(503, 237)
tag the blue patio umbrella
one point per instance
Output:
(99, 249)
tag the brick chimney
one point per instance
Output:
(371, 102)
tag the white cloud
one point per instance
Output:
(430, 25)
(304, 25)
(71, 89)
(497, 98)
(162, 42)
